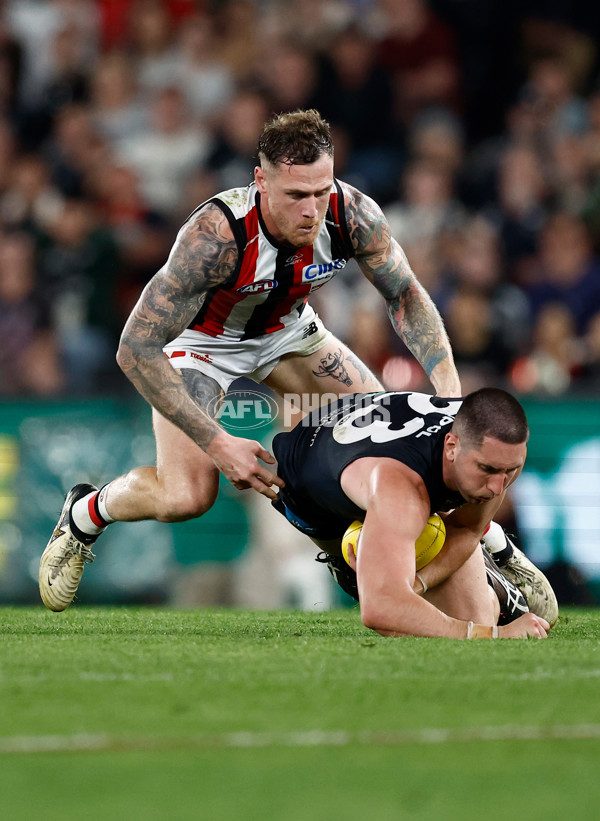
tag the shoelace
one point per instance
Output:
(74, 547)
(529, 575)
(80, 549)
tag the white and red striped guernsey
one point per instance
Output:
(272, 281)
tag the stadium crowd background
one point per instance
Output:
(475, 125)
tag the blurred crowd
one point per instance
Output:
(475, 125)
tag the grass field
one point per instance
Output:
(159, 714)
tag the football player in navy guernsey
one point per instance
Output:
(231, 301)
(393, 459)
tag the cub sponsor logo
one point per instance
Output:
(320, 274)
(258, 287)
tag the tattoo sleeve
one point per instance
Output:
(203, 257)
(412, 312)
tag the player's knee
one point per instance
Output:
(185, 503)
(488, 610)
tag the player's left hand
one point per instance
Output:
(526, 625)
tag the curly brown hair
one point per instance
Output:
(295, 138)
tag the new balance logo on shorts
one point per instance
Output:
(309, 330)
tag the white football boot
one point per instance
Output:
(515, 565)
(65, 557)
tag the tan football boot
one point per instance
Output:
(530, 580)
(65, 557)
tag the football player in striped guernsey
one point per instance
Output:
(232, 300)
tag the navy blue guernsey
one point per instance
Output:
(407, 426)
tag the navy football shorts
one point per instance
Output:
(317, 524)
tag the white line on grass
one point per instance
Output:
(102, 742)
(140, 678)
(85, 676)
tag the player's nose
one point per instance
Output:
(309, 210)
(496, 483)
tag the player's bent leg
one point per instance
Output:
(333, 369)
(183, 485)
(185, 482)
(466, 594)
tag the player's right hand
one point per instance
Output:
(526, 625)
(238, 461)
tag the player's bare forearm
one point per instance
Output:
(162, 386)
(412, 312)
(203, 257)
(386, 559)
(465, 527)
(385, 566)
(418, 323)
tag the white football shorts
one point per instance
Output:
(225, 359)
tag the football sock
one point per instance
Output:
(497, 543)
(89, 516)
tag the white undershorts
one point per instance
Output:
(225, 359)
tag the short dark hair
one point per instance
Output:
(295, 138)
(491, 412)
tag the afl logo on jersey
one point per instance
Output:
(258, 287)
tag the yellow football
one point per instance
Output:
(431, 541)
(427, 546)
(350, 539)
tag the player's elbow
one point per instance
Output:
(382, 611)
(375, 618)
(372, 621)
(126, 360)
(133, 354)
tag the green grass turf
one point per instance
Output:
(333, 718)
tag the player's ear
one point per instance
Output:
(260, 179)
(450, 446)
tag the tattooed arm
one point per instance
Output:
(412, 312)
(203, 257)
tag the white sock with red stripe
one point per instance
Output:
(494, 538)
(89, 514)
(498, 544)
